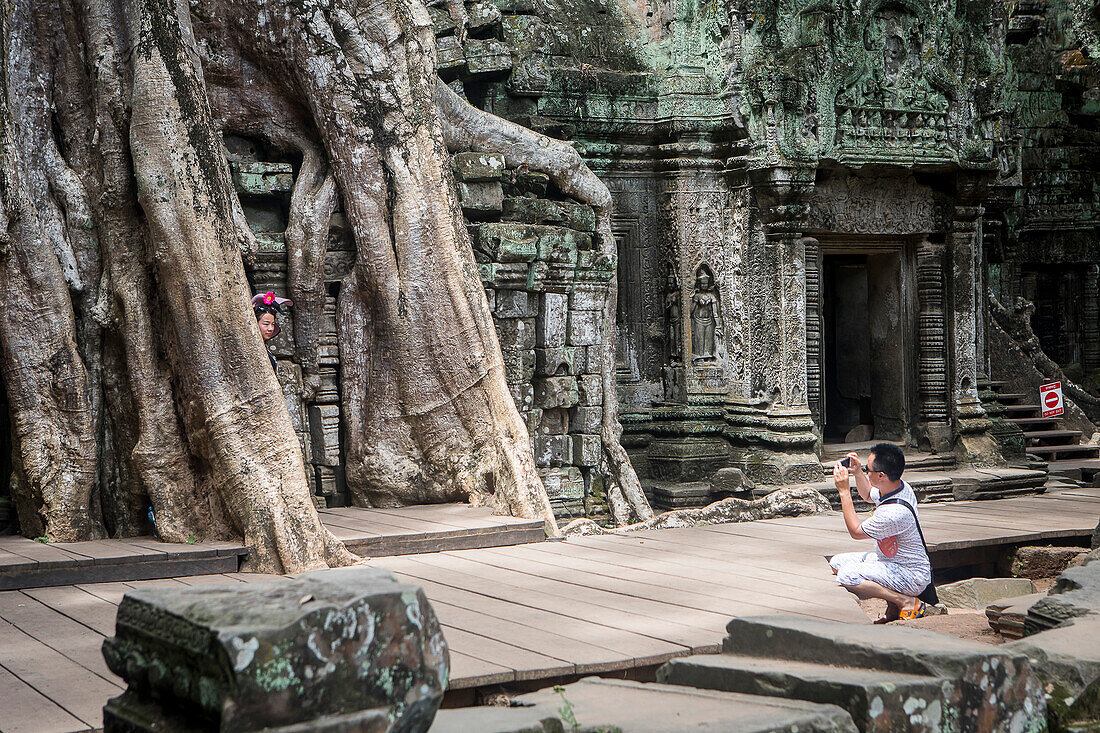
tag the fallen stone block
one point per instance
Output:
(1007, 615)
(1044, 562)
(983, 687)
(1075, 593)
(634, 707)
(877, 701)
(980, 592)
(1067, 660)
(348, 649)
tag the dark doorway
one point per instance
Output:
(865, 343)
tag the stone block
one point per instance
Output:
(478, 167)
(482, 15)
(351, 646)
(588, 299)
(877, 701)
(488, 56)
(555, 361)
(514, 304)
(554, 420)
(555, 392)
(729, 482)
(262, 178)
(504, 242)
(553, 319)
(523, 394)
(586, 419)
(480, 197)
(519, 364)
(532, 210)
(449, 54)
(637, 707)
(324, 434)
(516, 333)
(1075, 593)
(552, 450)
(982, 687)
(1067, 660)
(584, 328)
(559, 246)
(330, 480)
(441, 19)
(590, 389)
(563, 483)
(980, 592)
(587, 450)
(1044, 562)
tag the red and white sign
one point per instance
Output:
(1050, 397)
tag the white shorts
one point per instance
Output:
(852, 568)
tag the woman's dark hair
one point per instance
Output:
(889, 459)
(259, 310)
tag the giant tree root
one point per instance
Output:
(793, 502)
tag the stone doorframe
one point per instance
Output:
(921, 347)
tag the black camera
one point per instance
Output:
(846, 462)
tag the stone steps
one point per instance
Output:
(1062, 435)
(888, 678)
(635, 707)
(1032, 421)
(1078, 470)
(940, 486)
(871, 697)
(1056, 452)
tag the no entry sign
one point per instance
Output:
(1050, 397)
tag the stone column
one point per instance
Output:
(932, 347)
(777, 435)
(971, 424)
(701, 225)
(1090, 307)
(814, 332)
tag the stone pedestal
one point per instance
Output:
(775, 446)
(688, 442)
(348, 649)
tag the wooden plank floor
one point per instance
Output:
(533, 611)
(25, 563)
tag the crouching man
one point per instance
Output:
(898, 570)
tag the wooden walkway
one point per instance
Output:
(542, 610)
(371, 532)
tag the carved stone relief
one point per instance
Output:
(705, 315)
(896, 206)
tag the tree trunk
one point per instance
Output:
(134, 369)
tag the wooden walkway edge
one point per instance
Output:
(26, 563)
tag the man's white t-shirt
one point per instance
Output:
(895, 530)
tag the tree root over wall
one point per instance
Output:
(133, 367)
(792, 502)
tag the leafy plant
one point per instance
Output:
(566, 710)
(191, 539)
(43, 540)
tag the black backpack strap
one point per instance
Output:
(928, 595)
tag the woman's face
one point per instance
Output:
(266, 322)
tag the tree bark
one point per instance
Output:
(134, 369)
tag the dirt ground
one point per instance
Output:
(963, 623)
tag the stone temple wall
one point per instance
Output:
(546, 285)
